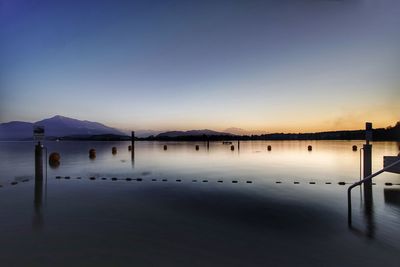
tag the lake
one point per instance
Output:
(208, 207)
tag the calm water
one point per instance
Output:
(175, 221)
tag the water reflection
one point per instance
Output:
(287, 160)
(183, 221)
(392, 196)
(133, 156)
(367, 209)
(231, 223)
(37, 220)
(369, 214)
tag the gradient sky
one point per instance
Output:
(277, 65)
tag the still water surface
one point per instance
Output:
(168, 219)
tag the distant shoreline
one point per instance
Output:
(194, 141)
(380, 134)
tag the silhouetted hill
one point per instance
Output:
(391, 133)
(381, 134)
(146, 133)
(206, 132)
(63, 126)
(57, 126)
(99, 137)
(16, 130)
(236, 131)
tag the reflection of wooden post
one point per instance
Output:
(37, 219)
(39, 162)
(133, 140)
(238, 144)
(38, 193)
(132, 146)
(367, 162)
(38, 196)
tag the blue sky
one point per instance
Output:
(275, 65)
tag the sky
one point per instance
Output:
(272, 65)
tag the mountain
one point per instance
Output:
(240, 131)
(63, 126)
(146, 133)
(235, 130)
(16, 130)
(190, 133)
(57, 126)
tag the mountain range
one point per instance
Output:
(57, 126)
(69, 128)
(60, 127)
(240, 131)
(190, 133)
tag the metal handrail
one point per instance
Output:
(369, 177)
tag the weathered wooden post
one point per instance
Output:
(38, 134)
(38, 218)
(38, 174)
(39, 162)
(367, 163)
(132, 148)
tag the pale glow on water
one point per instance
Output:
(288, 160)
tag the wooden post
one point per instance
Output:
(133, 146)
(38, 163)
(367, 162)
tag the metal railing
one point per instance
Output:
(363, 181)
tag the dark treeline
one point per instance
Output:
(380, 134)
